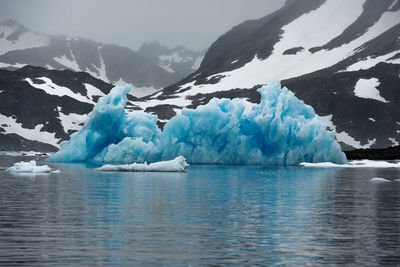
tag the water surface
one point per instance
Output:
(207, 215)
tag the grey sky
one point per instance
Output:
(195, 24)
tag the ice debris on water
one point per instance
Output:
(281, 130)
(353, 164)
(379, 180)
(28, 167)
(176, 165)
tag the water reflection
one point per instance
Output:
(208, 215)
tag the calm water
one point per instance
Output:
(208, 215)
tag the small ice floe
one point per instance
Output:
(354, 164)
(176, 165)
(29, 167)
(379, 180)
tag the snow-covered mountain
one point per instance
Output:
(179, 59)
(40, 107)
(111, 63)
(342, 57)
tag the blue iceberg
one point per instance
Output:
(281, 130)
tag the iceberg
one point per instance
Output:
(281, 130)
(28, 167)
(176, 165)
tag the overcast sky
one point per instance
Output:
(195, 24)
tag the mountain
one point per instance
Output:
(112, 63)
(179, 60)
(341, 57)
(41, 107)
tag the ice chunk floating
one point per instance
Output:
(176, 165)
(28, 167)
(281, 130)
(354, 164)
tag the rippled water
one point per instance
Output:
(208, 215)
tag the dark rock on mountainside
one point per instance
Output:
(29, 114)
(351, 79)
(390, 153)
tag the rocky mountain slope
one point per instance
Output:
(112, 63)
(341, 57)
(40, 107)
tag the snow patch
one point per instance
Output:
(367, 88)
(343, 136)
(25, 41)
(393, 4)
(370, 62)
(176, 165)
(30, 134)
(53, 89)
(70, 64)
(72, 121)
(393, 140)
(92, 91)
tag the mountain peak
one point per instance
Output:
(11, 23)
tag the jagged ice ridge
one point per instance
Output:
(281, 130)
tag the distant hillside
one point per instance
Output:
(112, 63)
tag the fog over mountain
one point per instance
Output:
(194, 24)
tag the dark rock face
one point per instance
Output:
(14, 142)
(30, 107)
(391, 153)
(293, 51)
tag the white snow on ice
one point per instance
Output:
(367, 88)
(176, 165)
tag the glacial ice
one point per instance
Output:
(281, 130)
(176, 165)
(28, 167)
